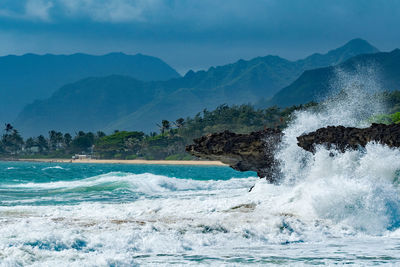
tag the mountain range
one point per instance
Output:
(26, 78)
(123, 102)
(314, 85)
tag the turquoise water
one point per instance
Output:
(68, 183)
(54, 214)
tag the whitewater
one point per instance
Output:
(328, 208)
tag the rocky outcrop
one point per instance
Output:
(255, 151)
(342, 138)
(243, 152)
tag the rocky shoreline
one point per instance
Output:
(255, 151)
(242, 152)
(343, 138)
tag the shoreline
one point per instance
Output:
(133, 161)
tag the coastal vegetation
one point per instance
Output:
(172, 137)
(387, 118)
(169, 143)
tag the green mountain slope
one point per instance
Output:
(314, 85)
(242, 82)
(89, 104)
(237, 83)
(26, 78)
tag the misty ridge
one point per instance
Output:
(26, 78)
(122, 92)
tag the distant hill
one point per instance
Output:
(29, 77)
(86, 105)
(247, 81)
(316, 84)
(352, 48)
(237, 83)
(241, 82)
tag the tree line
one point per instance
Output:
(169, 142)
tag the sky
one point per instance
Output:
(195, 34)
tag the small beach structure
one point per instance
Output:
(81, 156)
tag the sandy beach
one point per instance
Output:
(135, 161)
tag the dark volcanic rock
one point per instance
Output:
(342, 138)
(243, 152)
(255, 151)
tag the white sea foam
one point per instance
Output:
(219, 219)
(356, 188)
(54, 167)
(144, 183)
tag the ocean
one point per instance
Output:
(126, 215)
(327, 208)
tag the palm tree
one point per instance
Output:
(8, 128)
(67, 139)
(42, 143)
(30, 142)
(53, 139)
(179, 122)
(165, 126)
(12, 141)
(17, 140)
(100, 134)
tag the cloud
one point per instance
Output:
(199, 14)
(108, 10)
(196, 32)
(113, 11)
(28, 10)
(38, 9)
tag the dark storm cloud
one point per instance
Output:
(195, 33)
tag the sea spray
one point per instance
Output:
(351, 104)
(356, 188)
